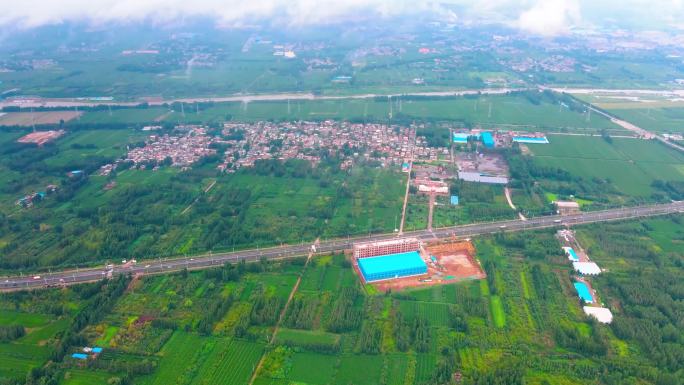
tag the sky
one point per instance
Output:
(537, 17)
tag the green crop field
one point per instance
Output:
(230, 363)
(396, 365)
(26, 319)
(306, 337)
(177, 356)
(41, 334)
(312, 368)
(359, 369)
(128, 115)
(631, 165)
(85, 377)
(498, 313)
(437, 314)
(518, 111)
(17, 359)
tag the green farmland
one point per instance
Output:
(517, 111)
(629, 165)
(213, 326)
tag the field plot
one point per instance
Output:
(396, 369)
(359, 370)
(425, 365)
(655, 113)
(437, 314)
(29, 320)
(178, 355)
(39, 335)
(631, 165)
(76, 147)
(128, 115)
(17, 359)
(312, 368)
(37, 118)
(85, 377)
(306, 337)
(520, 111)
(512, 111)
(663, 120)
(41, 137)
(498, 313)
(231, 362)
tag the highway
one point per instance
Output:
(160, 266)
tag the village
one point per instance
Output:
(389, 145)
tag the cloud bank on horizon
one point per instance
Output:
(539, 17)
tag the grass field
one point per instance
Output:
(498, 313)
(17, 359)
(28, 320)
(85, 377)
(40, 334)
(80, 145)
(306, 337)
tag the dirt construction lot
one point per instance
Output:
(487, 163)
(41, 137)
(37, 118)
(453, 262)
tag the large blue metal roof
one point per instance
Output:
(583, 292)
(391, 262)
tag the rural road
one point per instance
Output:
(206, 261)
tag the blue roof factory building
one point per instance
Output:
(487, 139)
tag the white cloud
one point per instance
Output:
(30, 13)
(550, 17)
(543, 17)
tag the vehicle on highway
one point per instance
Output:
(35, 277)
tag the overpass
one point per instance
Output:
(161, 266)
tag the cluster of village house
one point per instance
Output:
(183, 149)
(245, 143)
(390, 145)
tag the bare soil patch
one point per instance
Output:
(37, 118)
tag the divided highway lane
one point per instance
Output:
(160, 266)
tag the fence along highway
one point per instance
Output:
(160, 266)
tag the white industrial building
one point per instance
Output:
(601, 314)
(587, 268)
